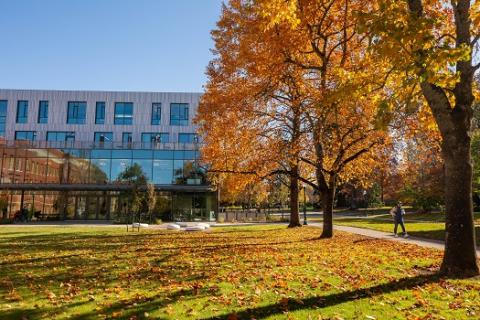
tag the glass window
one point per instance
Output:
(123, 113)
(100, 113)
(76, 112)
(100, 170)
(146, 165)
(142, 154)
(156, 113)
(163, 154)
(178, 171)
(25, 135)
(157, 137)
(162, 171)
(43, 112)
(60, 136)
(3, 116)
(187, 138)
(122, 154)
(22, 111)
(118, 167)
(179, 114)
(127, 137)
(103, 136)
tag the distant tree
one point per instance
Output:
(136, 179)
(150, 199)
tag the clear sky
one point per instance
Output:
(134, 45)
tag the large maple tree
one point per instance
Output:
(292, 97)
(432, 46)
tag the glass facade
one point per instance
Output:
(123, 113)
(76, 112)
(150, 138)
(156, 113)
(61, 136)
(3, 116)
(100, 113)
(179, 114)
(25, 135)
(103, 136)
(127, 137)
(43, 112)
(88, 163)
(93, 174)
(187, 138)
(22, 111)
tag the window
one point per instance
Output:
(155, 137)
(179, 114)
(123, 113)
(77, 112)
(126, 137)
(60, 136)
(22, 111)
(43, 112)
(103, 136)
(25, 135)
(156, 113)
(100, 113)
(3, 116)
(187, 138)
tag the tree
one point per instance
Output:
(251, 117)
(283, 89)
(326, 44)
(150, 199)
(135, 178)
(432, 45)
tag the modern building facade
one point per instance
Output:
(63, 153)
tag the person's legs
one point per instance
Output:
(396, 227)
(403, 226)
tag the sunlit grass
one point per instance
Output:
(241, 272)
(424, 225)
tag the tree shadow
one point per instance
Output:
(332, 299)
(138, 306)
(440, 234)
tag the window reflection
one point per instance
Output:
(22, 164)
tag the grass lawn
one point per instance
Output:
(426, 225)
(237, 273)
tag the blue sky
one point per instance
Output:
(137, 45)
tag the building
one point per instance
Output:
(63, 153)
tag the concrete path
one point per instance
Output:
(422, 242)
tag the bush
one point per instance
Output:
(422, 199)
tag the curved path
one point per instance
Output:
(429, 243)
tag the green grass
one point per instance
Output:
(239, 273)
(424, 225)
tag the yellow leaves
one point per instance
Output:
(50, 295)
(279, 11)
(13, 295)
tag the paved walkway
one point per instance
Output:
(422, 242)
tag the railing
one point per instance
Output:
(99, 145)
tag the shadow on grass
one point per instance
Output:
(440, 234)
(138, 306)
(332, 299)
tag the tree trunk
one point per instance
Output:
(294, 214)
(328, 197)
(460, 252)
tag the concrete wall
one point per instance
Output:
(57, 112)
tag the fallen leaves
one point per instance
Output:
(226, 272)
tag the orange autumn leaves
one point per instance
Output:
(291, 89)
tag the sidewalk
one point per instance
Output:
(422, 242)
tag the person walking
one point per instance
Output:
(397, 213)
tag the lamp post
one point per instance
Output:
(304, 206)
